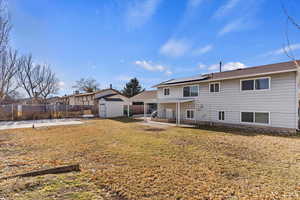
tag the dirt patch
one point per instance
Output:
(154, 129)
(239, 152)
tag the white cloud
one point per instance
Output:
(61, 84)
(227, 66)
(213, 67)
(140, 12)
(203, 50)
(223, 10)
(201, 66)
(168, 72)
(232, 26)
(283, 50)
(152, 67)
(175, 48)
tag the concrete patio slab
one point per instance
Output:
(149, 122)
(38, 123)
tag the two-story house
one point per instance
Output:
(264, 97)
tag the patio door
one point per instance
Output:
(169, 113)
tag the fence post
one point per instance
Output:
(54, 112)
(66, 116)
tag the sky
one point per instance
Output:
(153, 40)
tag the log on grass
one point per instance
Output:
(57, 170)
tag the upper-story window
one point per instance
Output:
(214, 87)
(255, 84)
(166, 91)
(190, 91)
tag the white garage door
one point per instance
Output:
(114, 109)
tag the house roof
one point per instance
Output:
(145, 95)
(96, 92)
(245, 72)
(112, 97)
(90, 93)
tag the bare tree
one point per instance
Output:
(5, 26)
(37, 80)
(9, 66)
(49, 84)
(86, 85)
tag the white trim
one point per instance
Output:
(255, 123)
(179, 113)
(166, 100)
(212, 83)
(164, 91)
(190, 86)
(233, 77)
(254, 87)
(194, 110)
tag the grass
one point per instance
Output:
(126, 160)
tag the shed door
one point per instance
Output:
(102, 110)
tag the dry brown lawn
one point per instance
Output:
(121, 159)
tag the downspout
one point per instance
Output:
(297, 98)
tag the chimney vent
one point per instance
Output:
(110, 86)
(220, 66)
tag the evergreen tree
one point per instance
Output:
(132, 88)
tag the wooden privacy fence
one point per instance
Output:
(139, 109)
(34, 112)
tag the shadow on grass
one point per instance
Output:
(242, 132)
(126, 120)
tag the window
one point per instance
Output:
(190, 91)
(262, 118)
(255, 117)
(214, 87)
(166, 91)
(221, 115)
(248, 85)
(248, 117)
(262, 84)
(190, 114)
(255, 84)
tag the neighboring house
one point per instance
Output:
(111, 103)
(260, 97)
(83, 98)
(144, 102)
(30, 101)
(80, 99)
(54, 100)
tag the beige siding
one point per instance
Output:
(280, 101)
